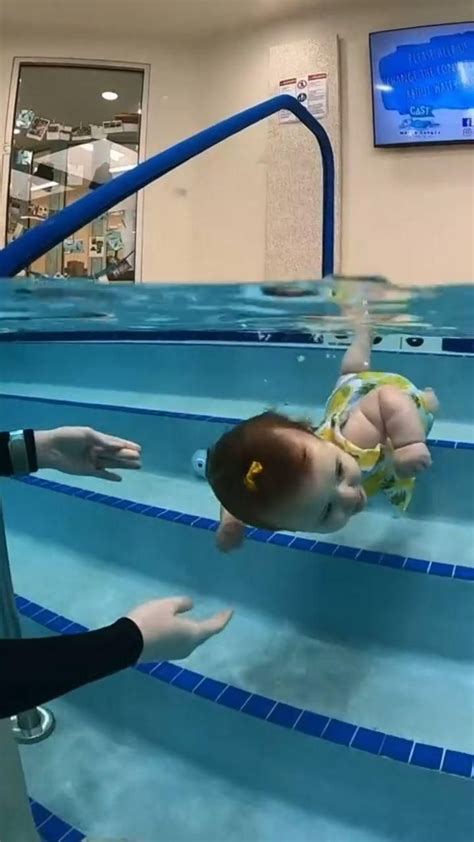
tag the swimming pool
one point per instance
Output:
(338, 704)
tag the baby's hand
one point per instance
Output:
(230, 536)
(411, 459)
(231, 533)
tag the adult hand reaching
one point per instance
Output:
(40, 669)
(167, 635)
(83, 451)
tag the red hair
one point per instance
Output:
(252, 469)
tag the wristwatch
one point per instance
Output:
(22, 449)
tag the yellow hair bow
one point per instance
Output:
(255, 469)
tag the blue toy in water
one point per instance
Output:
(199, 463)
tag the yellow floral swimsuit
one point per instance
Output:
(376, 466)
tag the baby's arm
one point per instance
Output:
(231, 532)
(404, 430)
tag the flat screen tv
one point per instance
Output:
(423, 85)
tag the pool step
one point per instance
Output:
(377, 536)
(263, 782)
(129, 373)
(187, 407)
(283, 714)
(345, 640)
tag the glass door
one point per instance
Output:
(75, 128)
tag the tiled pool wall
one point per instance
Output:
(286, 371)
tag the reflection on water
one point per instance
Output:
(52, 305)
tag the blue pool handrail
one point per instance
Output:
(37, 241)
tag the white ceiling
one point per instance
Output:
(157, 18)
(183, 18)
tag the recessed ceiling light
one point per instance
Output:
(109, 95)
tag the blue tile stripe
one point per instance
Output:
(51, 828)
(278, 539)
(275, 712)
(258, 337)
(131, 410)
(458, 345)
(185, 416)
(463, 346)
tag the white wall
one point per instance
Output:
(407, 214)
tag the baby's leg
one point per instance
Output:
(431, 401)
(357, 356)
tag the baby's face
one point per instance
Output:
(331, 490)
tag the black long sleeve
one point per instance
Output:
(6, 468)
(37, 670)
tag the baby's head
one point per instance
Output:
(275, 473)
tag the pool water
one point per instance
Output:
(80, 306)
(337, 706)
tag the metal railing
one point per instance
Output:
(36, 242)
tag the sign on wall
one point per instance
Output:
(311, 91)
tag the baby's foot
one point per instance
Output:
(411, 459)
